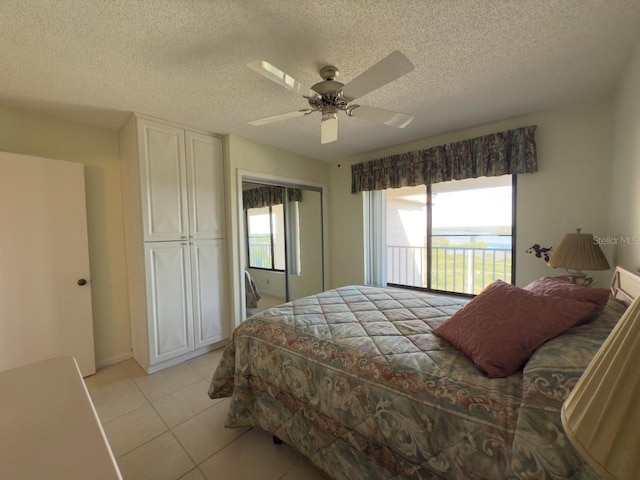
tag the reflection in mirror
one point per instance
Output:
(265, 282)
(283, 244)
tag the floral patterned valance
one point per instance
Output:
(268, 195)
(503, 153)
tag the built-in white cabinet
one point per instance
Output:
(175, 227)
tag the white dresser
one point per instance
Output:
(48, 426)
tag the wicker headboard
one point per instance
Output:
(625, 286)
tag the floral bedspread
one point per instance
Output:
(354, 379)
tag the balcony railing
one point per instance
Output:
(454, 269)
(259, 255)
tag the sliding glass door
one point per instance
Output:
(452, 236)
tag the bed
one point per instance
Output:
(357, 382)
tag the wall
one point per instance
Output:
(269, 282)
(625, 167)
(570, 189)
(248, 155)
(29, 133)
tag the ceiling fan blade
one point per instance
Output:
(378, 115)
(276, 75)
(281, 116)
(329, 129)
(390, 68)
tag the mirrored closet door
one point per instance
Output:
(283, 243)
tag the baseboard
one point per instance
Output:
(187, 356)
(272, 294)
(113, 360)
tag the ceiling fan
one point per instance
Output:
(330, 96)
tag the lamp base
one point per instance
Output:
(579, 278)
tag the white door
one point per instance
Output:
(163, 182)
(168, 300)
(206, 185)
(208, 267)
(45, 307)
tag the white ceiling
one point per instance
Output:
(476, 61)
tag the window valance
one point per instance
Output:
(503, 153)
(268, 195)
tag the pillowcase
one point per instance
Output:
(562, 287)
(500, 328)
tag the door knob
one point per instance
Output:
(82, 281)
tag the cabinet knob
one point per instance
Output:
(82, 282)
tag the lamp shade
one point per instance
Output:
(577, 251)
(601, 416)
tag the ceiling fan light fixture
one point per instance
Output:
(329, 113)
(329, 124)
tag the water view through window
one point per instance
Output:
(471, 241)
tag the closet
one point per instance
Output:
(173, 193)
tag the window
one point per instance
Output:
(265, 231)
(454, 236)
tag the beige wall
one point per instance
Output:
(625, 185)
(570, 189)
(269, 282)
(31, 133)
(247, 155)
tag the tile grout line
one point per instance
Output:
(185, 451)
(152, 407)
(169, 429)
(146, 441)
(294, 466)
(149, 402)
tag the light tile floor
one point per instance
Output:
(165, 427)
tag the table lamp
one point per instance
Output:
(601, 416)
(577, 252)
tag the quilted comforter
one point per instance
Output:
(355, 380)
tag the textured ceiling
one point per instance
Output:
(185, 60)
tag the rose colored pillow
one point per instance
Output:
(562, 287)
(500, 328)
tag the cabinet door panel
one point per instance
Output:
(163, 182)
(206, 186)
(209, 292)
(168, 300)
